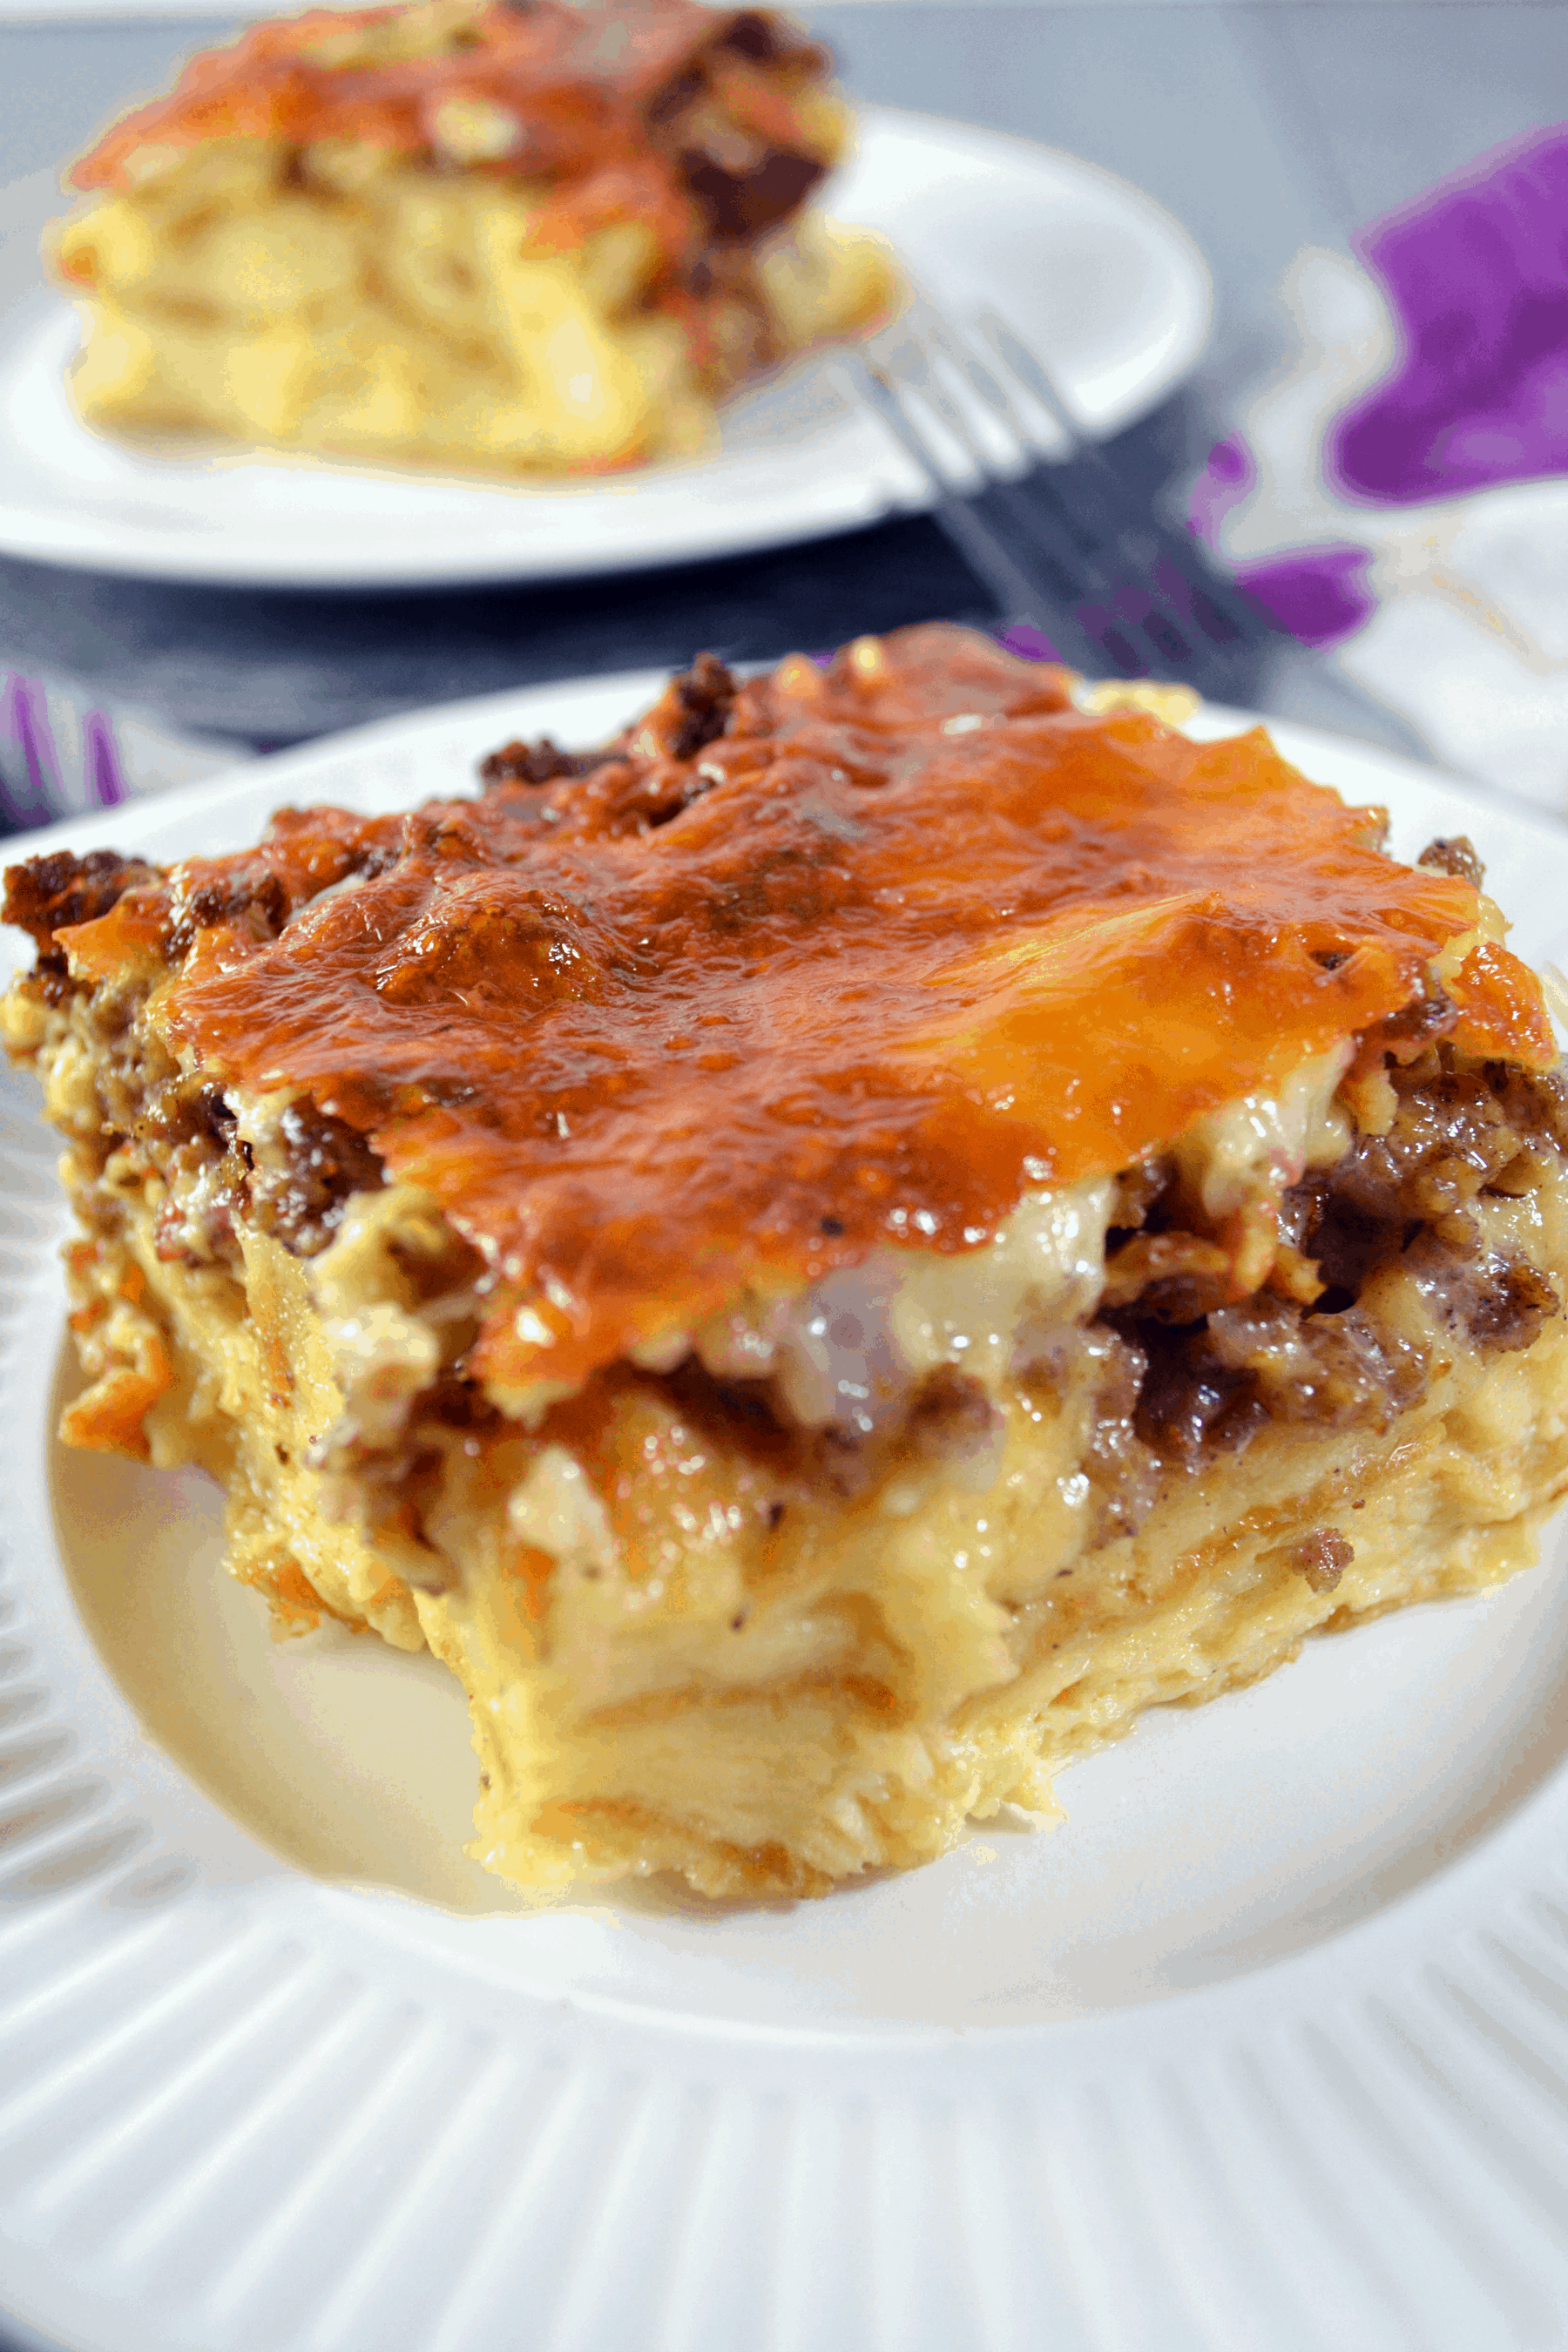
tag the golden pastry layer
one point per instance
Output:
(826, 1256)
(461, 232)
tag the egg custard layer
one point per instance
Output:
(826, 1255)
(463, 233)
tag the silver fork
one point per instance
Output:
(1067, 547)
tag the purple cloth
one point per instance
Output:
(1225, 482)
(31, 787)
(1032, 643)
(30, 764)
(100, 758)
(1318, 595)
(1477, 274)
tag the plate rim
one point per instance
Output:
(266, 781)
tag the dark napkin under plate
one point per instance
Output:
(271, 666)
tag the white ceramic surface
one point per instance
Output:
(1266, 2045)
(1107, 284)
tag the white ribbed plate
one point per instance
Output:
(1265, 2047)
(1097, 274)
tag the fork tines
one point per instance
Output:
(1042, 516)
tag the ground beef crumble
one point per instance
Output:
(1455, 855)
(706, 693)
(1323, 1558)
(1459, 1132)
(46, 895)
(536, 764)
(302, 1195)
(1177, 1378)
(1184, 1371)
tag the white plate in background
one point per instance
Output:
(1267, 2045)
(1110, 287)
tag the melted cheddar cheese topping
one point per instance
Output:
(906, 938)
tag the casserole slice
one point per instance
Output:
(826, 1255)
(463, 233)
